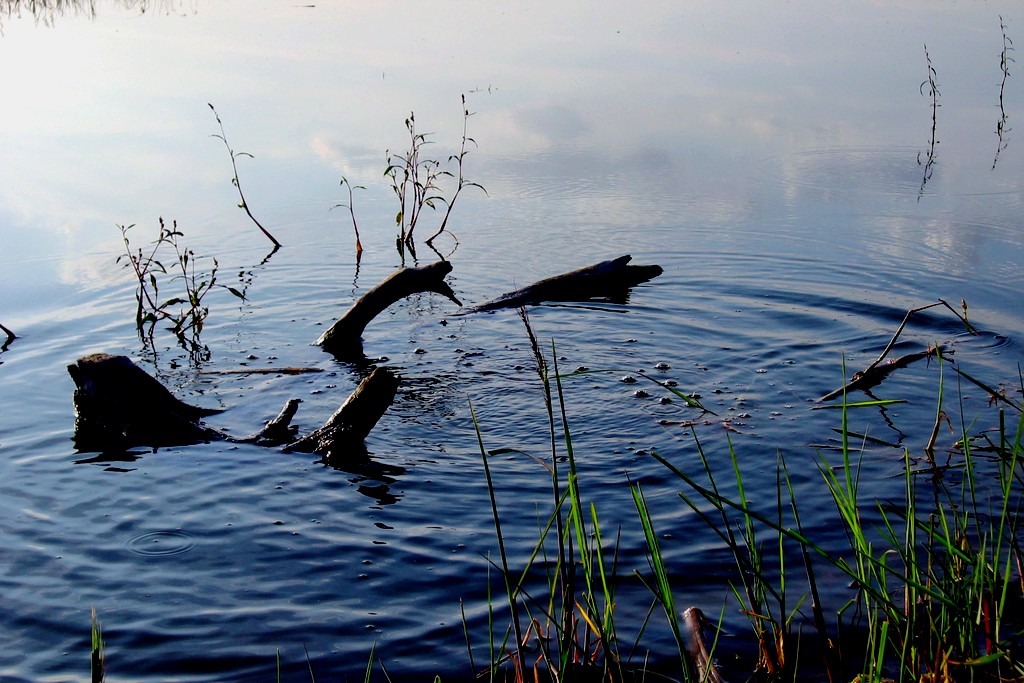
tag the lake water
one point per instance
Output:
(773, 159)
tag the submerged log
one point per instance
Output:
(119, 406)
(608, 280)
(352, 422)
(344, 337)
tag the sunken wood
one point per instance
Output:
(344, 337)
(352, 422)
(608, 279)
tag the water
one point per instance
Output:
(767, 159)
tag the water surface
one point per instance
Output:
(770, 160)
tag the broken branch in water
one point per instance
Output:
(873, 374)
(280, 430)
(609, 279)
(261, 371)
(876, 372)
(344, 337)
(118, 406)
(694, 623)
(352, 422)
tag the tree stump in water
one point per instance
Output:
(118, 405)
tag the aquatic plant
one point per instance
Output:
(416, 180)
(461, 182)
(934, 590)
(413, 180)
(351, 212)
(242, 203)
(568, 628)
(573, 623)
(97, 660)
(1004, 67)
(929, 88)
(184, 310)
(935, 581)
(47, 11)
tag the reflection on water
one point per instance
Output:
(47, 12)
(767, 160)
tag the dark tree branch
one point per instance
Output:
(344, 337)
(609, 279)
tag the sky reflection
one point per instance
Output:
(676, 108)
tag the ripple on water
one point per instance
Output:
(161, 543)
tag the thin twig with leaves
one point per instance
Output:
(351, 211)
(929, 88)
(1004, 66)
(242, 204)
(459, 160)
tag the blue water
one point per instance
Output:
(770, 167)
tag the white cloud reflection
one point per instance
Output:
(663, 109)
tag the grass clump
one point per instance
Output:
(566, 628)
(934, 578)
(936, 581)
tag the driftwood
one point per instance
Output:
(119, 406)
(608, 279)
(344, 338)
(873, 375)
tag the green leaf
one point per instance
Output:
(862, 404)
